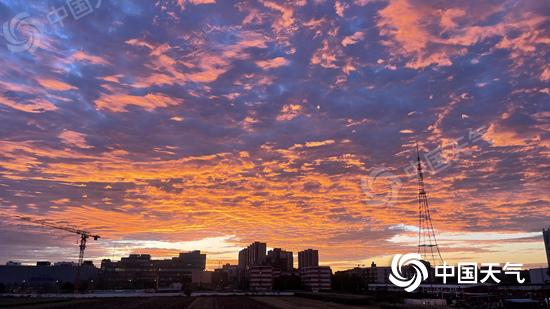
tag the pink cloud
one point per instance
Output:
(272, 63)
(119, 102)
(52, 84)
(352, 39)
(73, 138)
(32, 106)
(85, 57)
(183, 3)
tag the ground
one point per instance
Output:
(214, 302)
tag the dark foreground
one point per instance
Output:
(215, 302)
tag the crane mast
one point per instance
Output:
(84, 235)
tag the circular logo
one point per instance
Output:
(22, 33)
(398, 278)
(381, 186)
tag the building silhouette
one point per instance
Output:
(308, 258)
(139, 271)
(254, 274)
(280, 259)
(254, 254)
(313, 276)
(45, 277)
(546, 236)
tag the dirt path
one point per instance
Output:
(228, 302)
(302, 303)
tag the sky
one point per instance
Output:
(167, 126)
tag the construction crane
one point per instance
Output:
(84, 235)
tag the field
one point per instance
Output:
(215, 302)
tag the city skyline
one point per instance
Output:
(207, 125)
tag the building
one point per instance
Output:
(254, 254)
(376, 274)
(539, 276)
(281, 260)
(201, 279)
(308, 258)
(316, 278)
(546, 236)
(139, 271)
(47, 277)
(226, 277)
(313, 277)
(260, 278)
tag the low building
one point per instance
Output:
(46, 277)
(139, 271)
(377, 274)
(201, 279)
(226, 277)
(260, 278)
(539, 276)
(316, 278)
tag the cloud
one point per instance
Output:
(120, 102)
(73, 138)
(289, 112)
(56, 85)
(33, 106)
(183, 3)
(352, 39)
(272, 63)
(85, 57)
(320, 143)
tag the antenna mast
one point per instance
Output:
(427, 243)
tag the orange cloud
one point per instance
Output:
(272, 63)
(52, 84)
(426, 36)
(325, 56)
(85, 57)
(352, 39)
(119, 102)
(321, 143)
(32, 106)
(182, 3)
(287, 15)
(289, 112)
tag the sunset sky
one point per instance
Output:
(166, 126)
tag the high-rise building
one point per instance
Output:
(546, 236)
(243, 258)
(254, 254)
(308, 258)
(280, 259)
